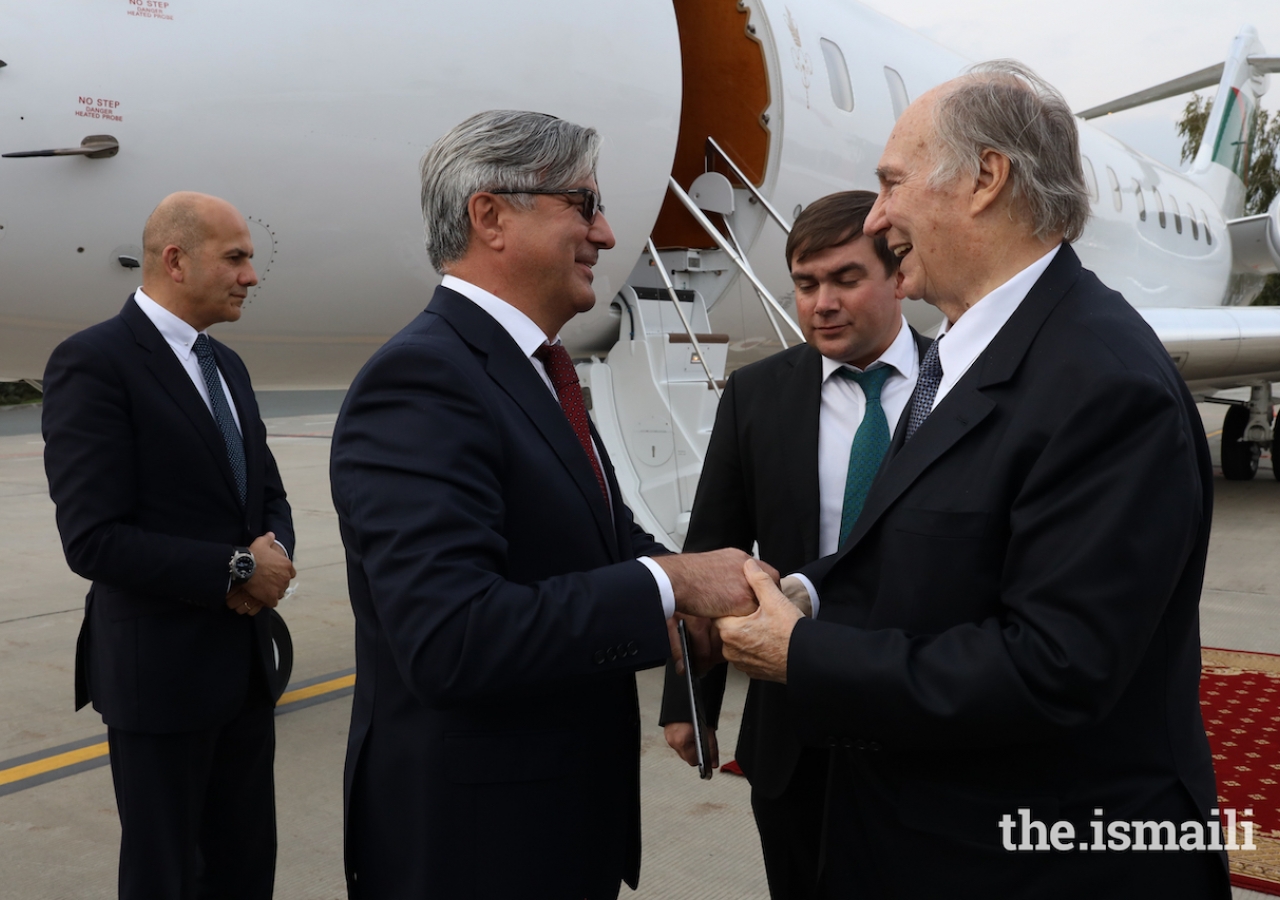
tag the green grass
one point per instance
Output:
(13, 393)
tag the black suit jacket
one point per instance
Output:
(148, 510)
(1013, 621)
(760, 484)
(500, 615)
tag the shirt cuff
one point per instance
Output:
(813, 592)
(665, 591)
(283, 550)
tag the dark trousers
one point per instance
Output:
(197, 809)
(790, 828)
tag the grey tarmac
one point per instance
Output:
(59, 838)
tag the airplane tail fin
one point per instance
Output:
(1221, 165)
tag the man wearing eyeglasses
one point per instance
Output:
(502, 592)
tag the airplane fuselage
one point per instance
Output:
(312, 119)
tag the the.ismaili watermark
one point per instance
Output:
(1026, 833)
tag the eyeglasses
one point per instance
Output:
(589, 206)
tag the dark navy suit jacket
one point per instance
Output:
(1013, 622)
(759, 486)
(500, 615)
(148, 510)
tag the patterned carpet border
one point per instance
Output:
(1243, 742)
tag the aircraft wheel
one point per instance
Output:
(1239, 458)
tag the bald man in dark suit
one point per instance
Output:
(169, 500)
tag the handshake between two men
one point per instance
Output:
(735, 610)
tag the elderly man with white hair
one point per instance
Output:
(1003, 657)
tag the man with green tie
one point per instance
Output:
(798, 440)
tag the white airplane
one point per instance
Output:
(721, 121)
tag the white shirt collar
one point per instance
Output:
(527, 335)
(978, 325)
(178, 334)
(900, 355)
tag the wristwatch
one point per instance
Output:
(242, 565)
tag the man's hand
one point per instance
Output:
(757, 644)
(271, 574)
(679, 736)
(239, 602)
(704, 643)
(710, 585)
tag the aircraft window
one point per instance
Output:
(1090, 180)
(1177, 213)
(1195, 226)
(1116, 197)
(1155, 193)
(1208, 235)
(838, 75)
(1142, 204)
(898, 95)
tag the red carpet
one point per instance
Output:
(1240, 700)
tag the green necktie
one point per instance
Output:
(869, 445)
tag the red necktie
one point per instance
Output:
(564, 378)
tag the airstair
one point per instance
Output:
(654, 396)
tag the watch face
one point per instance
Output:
(244, 566)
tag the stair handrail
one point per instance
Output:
(721, 242)
(746, 182)
(675, 300)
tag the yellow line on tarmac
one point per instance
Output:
(95, 751)
(50, 763)
(315, 690)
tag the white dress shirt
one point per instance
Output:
(840, 414)
(966, 339)
(182, 338)
(529, 337)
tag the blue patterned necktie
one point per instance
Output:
(926, 388)
(222, 413)
(870, 443)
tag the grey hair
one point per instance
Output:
(501, 148)
(1004, 106)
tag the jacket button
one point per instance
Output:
(859, 744)
(832, 743)
(633, 648)
(873, 745)
(598, 657)
(612, 653)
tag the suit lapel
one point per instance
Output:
(966, 404)
(514, 374)
(174, 380)
(619, 535)
(802, 399)
(959, 412)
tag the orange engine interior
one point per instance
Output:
(726, 92)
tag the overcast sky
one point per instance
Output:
(1099, 50)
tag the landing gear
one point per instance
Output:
(1246, 429)
(1239, 457)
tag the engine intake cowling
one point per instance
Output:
(1255, 242)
